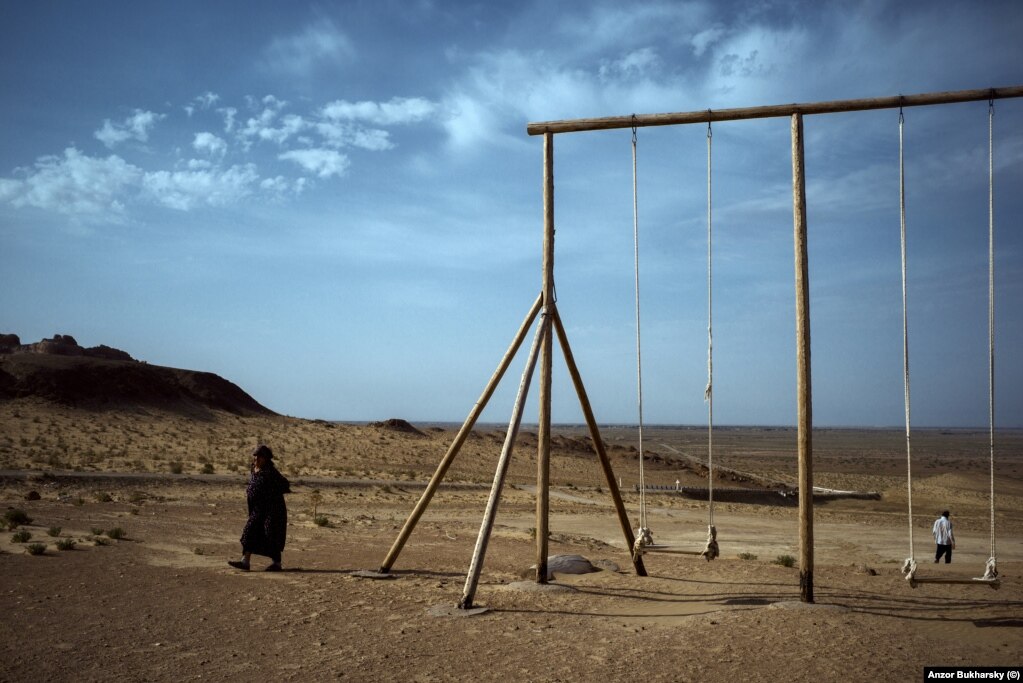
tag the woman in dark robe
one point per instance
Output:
(267, 526)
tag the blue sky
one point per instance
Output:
(337, 207)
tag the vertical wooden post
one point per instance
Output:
(543, 460)
(803, 388)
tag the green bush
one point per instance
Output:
(208, 468)
(36, 548)
(15, 518)
(99, 540)
(198, 551)
(20, 536)
(53, 531)
(176, 467)
(747, 556)
(96, 531)
(65, 544)
(103, 497)
(321, 520)
(785, 561)
(116, 533)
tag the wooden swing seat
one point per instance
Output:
(672, 549)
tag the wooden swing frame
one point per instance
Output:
(545, 304)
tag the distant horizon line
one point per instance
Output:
(664, 425)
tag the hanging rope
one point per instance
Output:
(708, 395)
(909, 567)
(990, 570)
(639, 348)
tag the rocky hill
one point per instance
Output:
(102, 378)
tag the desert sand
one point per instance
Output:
(161, 604)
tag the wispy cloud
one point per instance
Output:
(75, 185)
(135, 127)
(636, 63)
(185, 190)
(324, 163)
(96, 189)
(201, 102)
(318, 43)
(396, 111)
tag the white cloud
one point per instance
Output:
(337, 134)
(201, 102)
(90, 188)
(399, 110)
(229, 113)
(266, 127)
(135, 127)
(207, 99)
(210, 144)
(277, 184)
(96, 188)
(705, 39)
(323, 162)
(10, 188)
(319, 43)
(184, 190)
(373, 139)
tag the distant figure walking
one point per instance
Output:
(943, 537)
(267, 526)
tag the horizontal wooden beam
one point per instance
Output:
(708, 115)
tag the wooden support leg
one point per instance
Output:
(476, 566)
(598, 444)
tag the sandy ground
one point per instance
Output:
(161, 603)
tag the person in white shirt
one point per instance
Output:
(943, 537)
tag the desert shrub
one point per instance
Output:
(15, 518)
(176, 467)
(116, 533)
(103, 497)
(96, 531)
(747, 556)
(99, 540)
(137, 497)
(321, 520)
(20, 536)
(198, 551)
(36, 548)
(785, 561)
(53, 531)
(78, 502)
(207, 468)
(65, 544)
